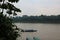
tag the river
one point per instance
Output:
(44, 31)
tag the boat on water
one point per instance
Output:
(33, 38)
(29, 30)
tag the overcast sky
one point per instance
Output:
(38, 7)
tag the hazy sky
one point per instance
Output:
(38, 7)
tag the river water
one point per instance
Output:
(44, 31)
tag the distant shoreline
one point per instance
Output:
(37, 19)
(35, 22)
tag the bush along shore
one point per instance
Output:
(37, 19)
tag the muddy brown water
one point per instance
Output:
(44, 31)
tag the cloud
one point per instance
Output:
(37, 7)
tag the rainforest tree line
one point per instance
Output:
(37, 19)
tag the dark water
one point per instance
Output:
(44, 31)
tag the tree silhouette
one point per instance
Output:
(8, 30)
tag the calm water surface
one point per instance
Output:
(44, 31)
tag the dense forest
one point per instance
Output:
(37, 19)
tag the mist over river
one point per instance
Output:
(44, 31)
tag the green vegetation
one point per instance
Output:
(37, 19)
(8, 30)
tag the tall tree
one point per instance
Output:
(8, 30)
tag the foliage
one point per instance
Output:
(9, 7)
(11, 0)
(37, 19)
(8, 30)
